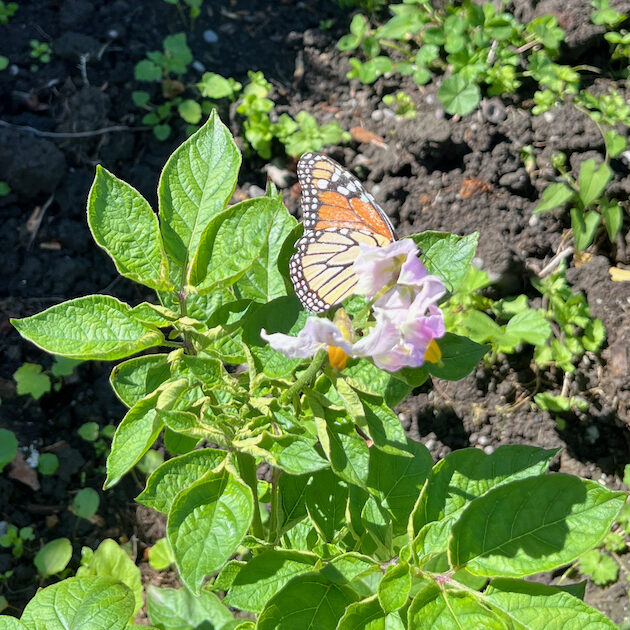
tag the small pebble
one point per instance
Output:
(533, 221)
(377, 115)
(198, 66)
(592, 434)
(13, 70)
(430, 444)
(478, 262)
(483, 440)
(210, 37)
(548, 116)
(488, 450)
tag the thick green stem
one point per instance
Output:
(305, 378)
(247, 468)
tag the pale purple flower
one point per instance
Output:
(379, 267)
(403, 331)
(317, 333)
(407, 319)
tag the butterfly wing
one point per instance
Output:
(339, 215)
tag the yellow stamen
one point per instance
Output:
(337, 357)
(433, 353)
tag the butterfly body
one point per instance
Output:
(339, 215)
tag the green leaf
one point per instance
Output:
(215, 86)
(124, 225)
(447, 255)
(326, 498)
(592, 181)
(532, 525)
(195, 185)
(398, 480)
(436, 608)
(133, 438)
(467, 474)
(206, 524)
(368, 615)
(600, 567)
(161, 555)
(177, 474)
(384, 427)
(31, 380)
(8, 447)
(6, 622)
(554, 196)
(53, 557)
(190, 111)
(393, 589)
(264, 280)
(85, 503)
(146, 70)
(62, 366)
(292, 453)
(584, 226)
(307, 601)
(97, 603)
(533, 605)
(264, 575)
(615, 143)
(93, 327)
(460, 355)
(458, 95)
(89, 431)
(136, 378)
(529, 326)
(234, 242)
(111, 560)
(292, 491)
(612, 213)
(179, 609)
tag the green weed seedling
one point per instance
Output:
(85, 503)
(15, 538)
(401, 103)
(356, 525)
(298, 135)
(167, 67)
(53, 557)
(48, 464)
(41, 51)
(561, 331)
(475, 47)
(575, 331)
(5, 189)
(7, 11)
(32, 380)
(194, 9)
(586, 199)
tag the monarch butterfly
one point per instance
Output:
(338, 215)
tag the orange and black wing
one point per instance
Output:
(339, 215)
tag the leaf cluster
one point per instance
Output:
(475, 46)
(7, 11)
(589, 206)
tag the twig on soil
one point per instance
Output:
(71, 134)
(555, 261)
(39, 220)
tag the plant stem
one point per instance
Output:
(275, 507)
(247, 468)
(305, 378)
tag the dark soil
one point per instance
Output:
(430, 172)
